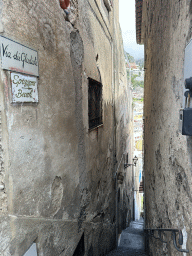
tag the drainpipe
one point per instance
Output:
(117, 211)
(115, 159)
(133, 180)
(144, 176)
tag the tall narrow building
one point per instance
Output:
(164, 27)
(65, 128)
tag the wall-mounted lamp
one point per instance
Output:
(135, 159)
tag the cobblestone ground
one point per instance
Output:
(131, 241)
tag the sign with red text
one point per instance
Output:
(17, 57)
(24, 88)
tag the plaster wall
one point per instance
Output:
(57, 176)
(167, 153)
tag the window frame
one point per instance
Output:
(99, 122)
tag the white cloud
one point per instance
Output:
(129, 37)
(127, 14)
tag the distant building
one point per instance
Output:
(136, 71)
(133, 66)
(141, 76)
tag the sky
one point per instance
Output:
(127, 23)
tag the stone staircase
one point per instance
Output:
(131, 241)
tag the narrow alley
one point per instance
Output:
(131, 242)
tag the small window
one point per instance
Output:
(95, 103)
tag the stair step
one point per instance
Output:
(131, 241)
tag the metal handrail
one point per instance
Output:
(150, 232)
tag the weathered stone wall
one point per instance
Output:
(168, 174)
(57, 176)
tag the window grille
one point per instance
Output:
(95, 103)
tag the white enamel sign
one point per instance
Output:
(24, 88)
(18, 58)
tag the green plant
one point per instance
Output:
(129, 57)
(136, 99)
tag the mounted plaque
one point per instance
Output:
(24, 88)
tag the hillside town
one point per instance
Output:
(135, 73)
